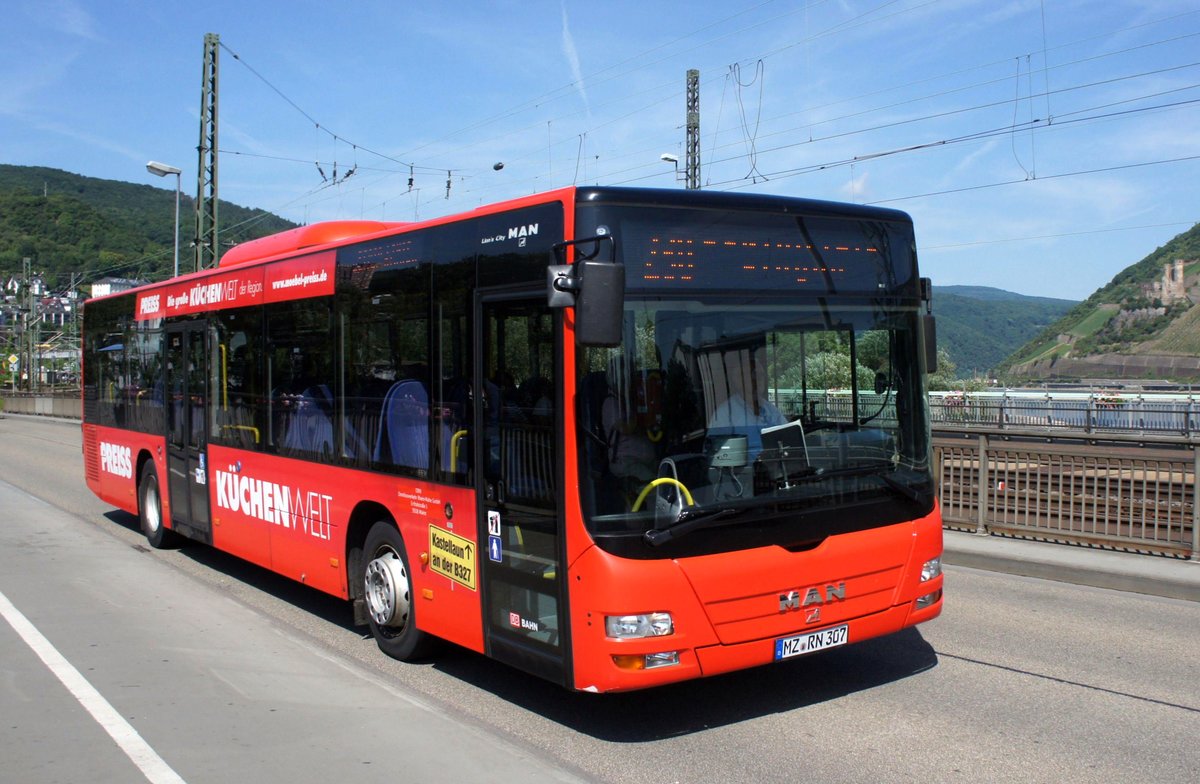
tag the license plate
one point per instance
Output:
(811, 642)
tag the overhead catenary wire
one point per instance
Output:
(567, 89)
(605, 173)
(750, 136)
(958, 89)
(876, 109)
(336, 137)
(975, 136)
(871, 110)
(858, 19)
(988, 105)
(1058, 176)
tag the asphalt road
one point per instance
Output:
(227, 672)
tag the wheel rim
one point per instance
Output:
(387, 590)
(151, 510)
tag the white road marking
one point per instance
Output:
(122, 732)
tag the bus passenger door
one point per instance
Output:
(517, 381)
(187, 429)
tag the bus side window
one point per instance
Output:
(301, 378)
(452, 355)
(237, 413)
(404, 427)
(366, 385)
(453, 417)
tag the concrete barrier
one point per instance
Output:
(66, 406)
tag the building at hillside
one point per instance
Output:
(1172, 287)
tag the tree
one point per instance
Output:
(946, 377)
(831, 370)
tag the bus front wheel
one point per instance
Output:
(387, 588)
(150, 512)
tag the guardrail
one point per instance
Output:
(1132, 498)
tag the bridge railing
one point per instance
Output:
(1169, 415)
(1140, 499)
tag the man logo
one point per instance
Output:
(813, 596)
(521, 232)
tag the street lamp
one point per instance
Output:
(667, 157)
(162, 170)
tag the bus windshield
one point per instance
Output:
(773, 410)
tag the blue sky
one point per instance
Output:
(1041, 146)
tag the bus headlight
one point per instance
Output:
(630, 627)
(931, 569)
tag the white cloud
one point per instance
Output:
(76, 133)
(969, 160)
(66, 17)
(856, 189)
(572, 55)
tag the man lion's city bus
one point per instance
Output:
(587, 433)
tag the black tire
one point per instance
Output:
(388, 594)
(150, 513)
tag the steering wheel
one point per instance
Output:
(662, 480)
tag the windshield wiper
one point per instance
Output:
(688, 521)
(694, 519)
(908, 491)
(884, 474)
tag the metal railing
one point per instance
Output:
(1175, 415)
(1128, 498)
(1141, 499)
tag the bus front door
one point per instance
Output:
(518, 382)
(187, 431)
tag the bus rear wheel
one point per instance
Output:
(150, 512)
(387, 589)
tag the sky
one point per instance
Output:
(1041, 146)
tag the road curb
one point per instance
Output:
(1080, 565)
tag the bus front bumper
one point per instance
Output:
(648, 668)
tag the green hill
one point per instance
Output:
(67, 223)
(71, 224)
(1125, 329)
(979, 326)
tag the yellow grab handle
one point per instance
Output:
(662, 480)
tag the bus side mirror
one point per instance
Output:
(928, 326)
(601, 303)
(929, 338)
(595, 288)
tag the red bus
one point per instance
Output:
(587, 433)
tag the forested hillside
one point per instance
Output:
(979, 326)
(70, 224)
(66, 223)
(1125, 329)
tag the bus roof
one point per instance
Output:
(329, 232)
(302, 237)
(673, 197)
(294, 241)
